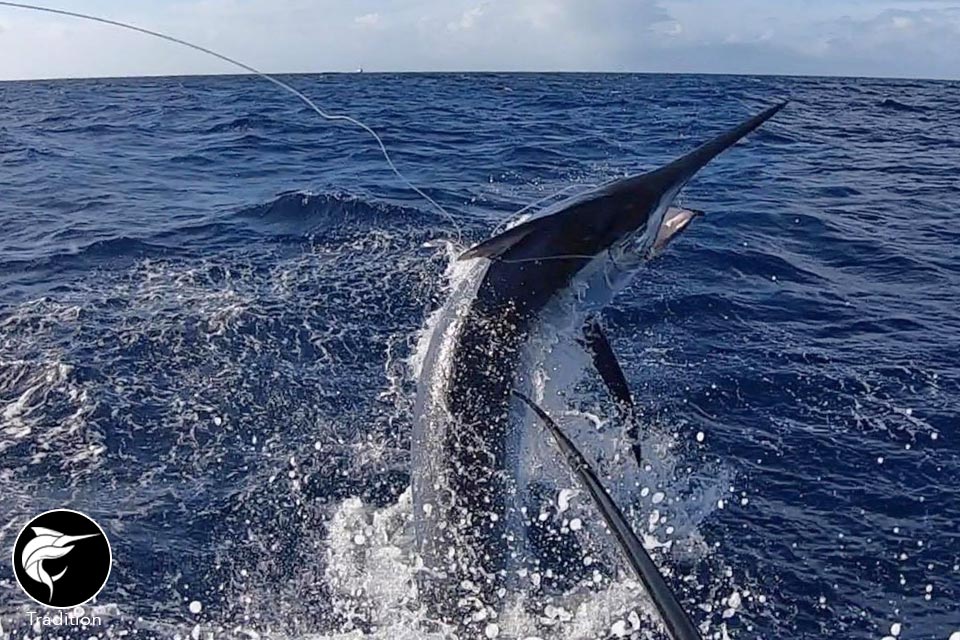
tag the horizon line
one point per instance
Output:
(362, 71)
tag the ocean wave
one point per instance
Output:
(304, 211)
(97, 253)
(242, 123)
(896, 105)
(210, 296)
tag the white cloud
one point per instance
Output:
(539, 15)
(671, 28)
(468, 20)
(369, 20)
(902, 22)
(882, 37)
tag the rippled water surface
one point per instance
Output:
(209, 297)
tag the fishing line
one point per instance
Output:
(280, 83)
(330, 117)
(559, 256)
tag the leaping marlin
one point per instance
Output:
(47, 545)
(560, 268)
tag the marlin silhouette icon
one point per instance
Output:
(47, 545)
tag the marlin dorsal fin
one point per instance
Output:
(500, 243)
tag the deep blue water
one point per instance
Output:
(207, 296)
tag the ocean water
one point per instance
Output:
(210, 297)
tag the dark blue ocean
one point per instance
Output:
(209, 297)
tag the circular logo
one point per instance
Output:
(62, 558)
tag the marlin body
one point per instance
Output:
(570, 260)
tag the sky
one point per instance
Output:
(895, 38)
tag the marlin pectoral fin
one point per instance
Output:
(605, 361)
(499, 243)
(674, 618)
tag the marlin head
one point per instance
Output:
(632, 217)
(654, 223)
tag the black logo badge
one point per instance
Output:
(62, 558)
